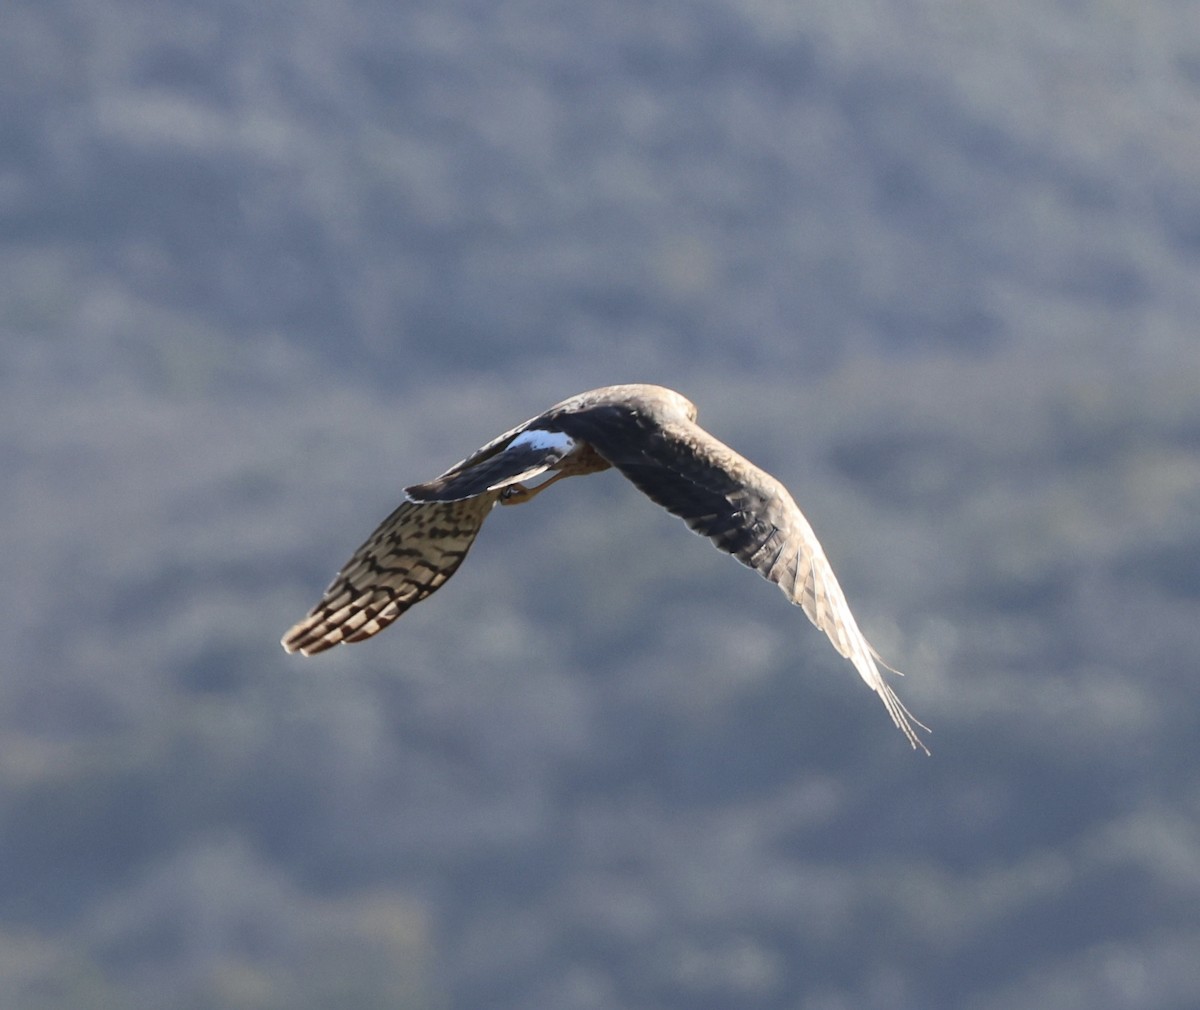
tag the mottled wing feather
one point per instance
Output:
(412, 553)
(745, 512)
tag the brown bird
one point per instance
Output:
(650, 435)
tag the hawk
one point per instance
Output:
(650, 435)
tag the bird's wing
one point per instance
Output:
(420, 545)
(412, 553)
(528, 453)
(745, 512)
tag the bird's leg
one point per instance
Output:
(515, 494)
(518, 494)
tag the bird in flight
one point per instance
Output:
(650, 435)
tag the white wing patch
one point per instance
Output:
(536, 438)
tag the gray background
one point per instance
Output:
(933, 263)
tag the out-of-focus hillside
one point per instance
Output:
(934, 266)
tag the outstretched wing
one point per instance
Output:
(420, 545)
(412, 553)
(745, 512)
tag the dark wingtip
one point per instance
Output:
(421, 492)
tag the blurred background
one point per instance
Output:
(932, 263)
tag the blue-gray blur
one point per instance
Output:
(934, 264)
